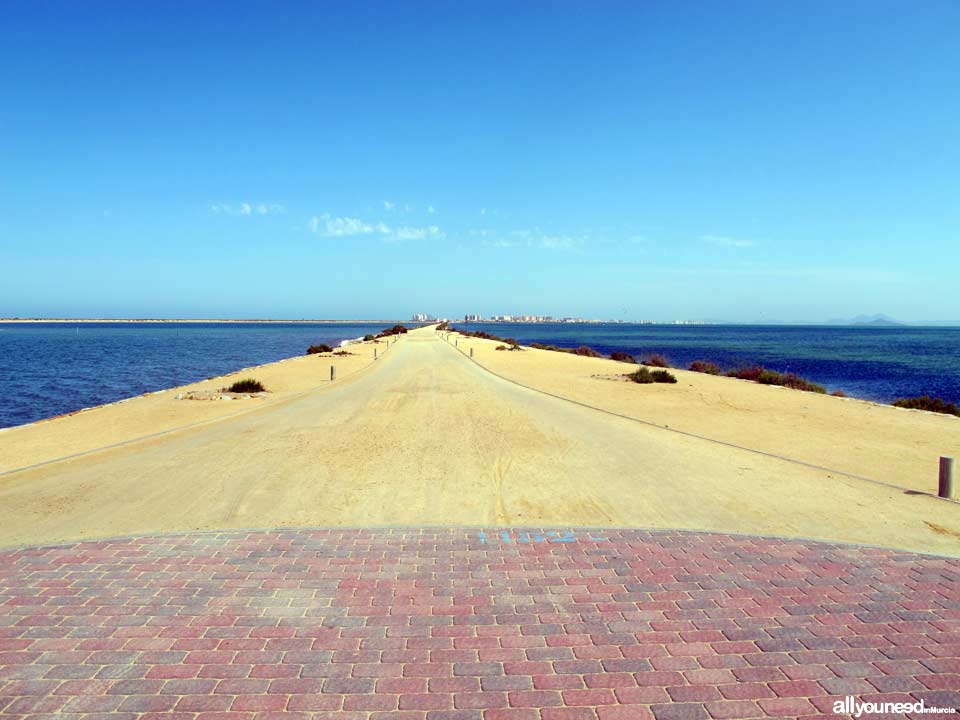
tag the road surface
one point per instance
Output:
(428, 438)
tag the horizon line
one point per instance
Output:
(578, 321)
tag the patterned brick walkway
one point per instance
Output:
(467, 625)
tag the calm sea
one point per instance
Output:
(51, 368)
(872, 363)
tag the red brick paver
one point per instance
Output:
(471, 625)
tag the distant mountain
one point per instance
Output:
(878, 320)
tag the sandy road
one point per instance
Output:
(429, 438)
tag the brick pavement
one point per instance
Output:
(454, 624)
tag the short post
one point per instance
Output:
(471, 352)
(333, 373)
(374, 353)
(456, 343)
(946, 477)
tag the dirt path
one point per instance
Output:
(429, 438)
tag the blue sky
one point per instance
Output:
(735, 160)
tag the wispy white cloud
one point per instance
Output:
(418, 233)
(556, 242)
(328, 225)
(530, 238)
(724, 241)
(246, 209)
(431, 210)
(388, 206)
(500, 242)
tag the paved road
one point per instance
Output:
(426, 437)
(452, 625)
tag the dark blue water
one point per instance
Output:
(873, 363)
(51, 368)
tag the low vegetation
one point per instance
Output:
(645, 375)
(480, 334)
(317, 349)
(247, 385)
(395, 330)
(931, 404)
(622, 357)
(586, 351)
(760, 374)
(703, 366)
(369, 338)
(795, 382)
(443, 326)
(752, 372)
(655, 360)
(507, 343)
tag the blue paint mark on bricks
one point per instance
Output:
(508, 537)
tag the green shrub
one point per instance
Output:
(315, 349)
(662, 376)
(443, 326)
(551, 348)
(702, 366)
(369, 338)
(642, 376)
(931, 404)
(622, 357)
(772, 377)
(656, 360)
(247, 385)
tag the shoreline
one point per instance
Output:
(893, 445)
(568, 345)
(415, 437)
(170, 321)
(341, 344)
(169, 409)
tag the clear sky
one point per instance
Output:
(734, 160)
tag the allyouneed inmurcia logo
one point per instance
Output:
(850, 706)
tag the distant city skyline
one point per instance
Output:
(877, 320)
(739, 161)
